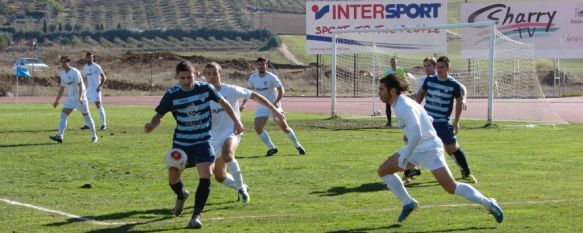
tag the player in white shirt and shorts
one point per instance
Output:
(223, 141)
(423, 148)
(268, 85)
(76, 99)
(95, 80)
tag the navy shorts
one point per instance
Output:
(445, 132)
(198, 153)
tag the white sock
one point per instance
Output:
(292, 136)
(471, 194)
(396, 186)
(62, 124)
(101, 112)
(89, 122)
(234, 169)
(230, 182)
(266, 140)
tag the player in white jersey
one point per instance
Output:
(223, 140)
(76, 99)
(268, 85)
(95, 80)
(424, 148)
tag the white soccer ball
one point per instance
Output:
(176, 158)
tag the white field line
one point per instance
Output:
(284, 215)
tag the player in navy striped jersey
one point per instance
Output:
(224, 142)
(189, 102)
(422, 148)
(439, 92)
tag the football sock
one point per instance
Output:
(292, 136)
(230, 182)
(471, 194)
(460, 158)
(101, 112)
(234, 169)
(266, 140)
(89, 122)
(63, 124)
(202, 194)
(178, 189)
(396, 186)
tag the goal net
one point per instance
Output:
(499, 73)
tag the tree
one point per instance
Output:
(60, 28)
(4, 41)
(97, 27)
(68, 27)
(118, 26)
(52, 28)
(45, 27)
(77, 27)
(101, 27)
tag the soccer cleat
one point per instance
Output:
(496, 211)
(388, 125)
(243, 195)
(56, 138)
(179, 207)
(195, 222)
(103, 127)
(469, 178)
(301, 150)
(94, 139)
(409, 174)
(84, 127)
(407, 210)
(271, 152)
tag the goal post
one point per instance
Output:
(498, 72)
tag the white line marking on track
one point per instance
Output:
(93, 221)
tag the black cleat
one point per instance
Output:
(103, 127)
(56, 138)
(408, 175)
(84, 127)
(301, 150)
(271, 152)
(388, 125)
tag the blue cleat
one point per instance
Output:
(407, 209)
(496, 211)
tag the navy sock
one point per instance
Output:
(177, 188)
(460, 157)
(202, 193)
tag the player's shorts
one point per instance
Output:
(432, 159)
(217, 141)
(94, 95)
(445, 132)
(263, 111)
(198, 153)
(75, 104)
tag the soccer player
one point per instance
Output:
(95, 80)
(224, 142)
(189, 103)
(268, 85)
(76, 99)
(422, 148)
(440, 92)
(391, 70)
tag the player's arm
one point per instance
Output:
(420, 96)
(59, 94)
(81, 88)
(280, 93)
(458, 112)
(464, 97)
(102, 81)
(412, 135)
(262, 100)
(229, 109)
(156, 119)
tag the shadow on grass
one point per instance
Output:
(394, 226)
(29, 131)
(29, 144)
(363, 188)
(117, 216)
(129, 227)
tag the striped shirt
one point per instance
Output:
(439, 97)
(192, 112)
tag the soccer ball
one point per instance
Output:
(176, 158)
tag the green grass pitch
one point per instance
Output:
(534, 173)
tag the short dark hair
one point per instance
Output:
(213, 65)
(431, 59)
(262, 59)
(443, 59)
(184, 66)
(391, 81)
(89, 54)
(65, 59)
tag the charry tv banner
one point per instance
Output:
(555, 28)
(324, 16)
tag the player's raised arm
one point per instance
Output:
(148, 127)
(229, 110)
(262, 100)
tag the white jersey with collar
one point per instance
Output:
(71, 79)
(221, 122)
(265, 86)
(417, 126)
(93, 73)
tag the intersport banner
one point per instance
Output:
(324, 16)
(555, 28)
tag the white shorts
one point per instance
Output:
(83, 108)
(263, 111)
(217, 141)
(432, 160)
(94, 95)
